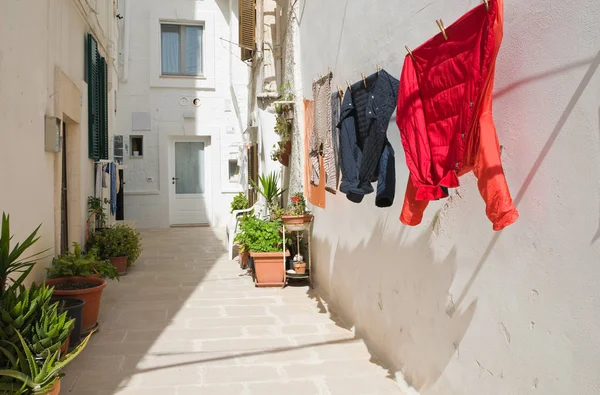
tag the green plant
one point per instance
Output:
(260, 236)
(81, 265)
(20, 309)
(298, 204)
(11, 262)
(240, 202)
(279, 150)
(51, 331)
(96, 209)
(28, 374)
(116, 241)
(269, 187)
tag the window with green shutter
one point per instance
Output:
(97, 101)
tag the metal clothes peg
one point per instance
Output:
(364, 79)
(440, 24)
(349, 87)
(409, 52)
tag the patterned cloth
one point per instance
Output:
(336, 102)
(320, 142)
(315, 194)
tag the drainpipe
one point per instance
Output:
(126, 22)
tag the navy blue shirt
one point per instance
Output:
(364, 119)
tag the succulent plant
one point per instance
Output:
(20, 309)
(51, 331)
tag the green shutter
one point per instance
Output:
(103, 109)
(93, 98)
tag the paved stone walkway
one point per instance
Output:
(184, 322)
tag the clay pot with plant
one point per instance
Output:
(266, 249)
(296, 216)
(80, 275)
(120, 244)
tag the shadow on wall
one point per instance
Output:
(405, 315)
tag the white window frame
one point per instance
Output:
(182, 47)
(206, 19)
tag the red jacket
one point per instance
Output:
(445, 116)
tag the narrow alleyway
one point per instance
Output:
(184, 322)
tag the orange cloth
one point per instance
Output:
(314, 194)
(482, 154)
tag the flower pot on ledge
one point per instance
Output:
(269, 270)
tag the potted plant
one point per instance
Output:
(296, 215)
(239, 202)
(81, 276)
(27, 373)
(269, 189)
(74, 310)
(97, 212)
(12, 266)
(266, 249)
(120, 244)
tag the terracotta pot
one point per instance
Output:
(55, 390)
(300, 267)
(296, 219)
(244, 259)
(269, 268)
(120, 263)
(285, 156)
(91, 296)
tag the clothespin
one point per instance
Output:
(340, 92)
(440, 24)
(364, 79)
(487, 5)
(378, 69)
(409, 52)
(349, 87)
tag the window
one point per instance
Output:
(137, 145)
(234, 171)
(97, 78)
(181, 49)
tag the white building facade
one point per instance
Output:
(182, 110)
(451, 305)
(48, 167)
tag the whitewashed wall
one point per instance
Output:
(458, 308)
(222, 94)
(41, 54)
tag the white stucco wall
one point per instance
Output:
(222, 94)
(458, 308)
(41, 44)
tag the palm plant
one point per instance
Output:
(269, 187)
(11, 262)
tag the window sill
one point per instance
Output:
(183, 76)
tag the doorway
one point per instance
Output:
(190, 181)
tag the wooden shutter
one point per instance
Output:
(103, 137)
(93, 98)
(247, 27)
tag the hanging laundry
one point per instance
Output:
(321, 146)
(364, 119)
(315, 194)
(99, 177)
(113, 188)
(336, 102)
(445, 116)
(106, 176)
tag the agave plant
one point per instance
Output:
(11, 262)
(28, 374)
(51, 331)
(20, 309)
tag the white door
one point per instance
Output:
(190, 182)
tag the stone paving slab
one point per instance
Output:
(184, 322)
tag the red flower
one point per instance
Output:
(296, 199)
